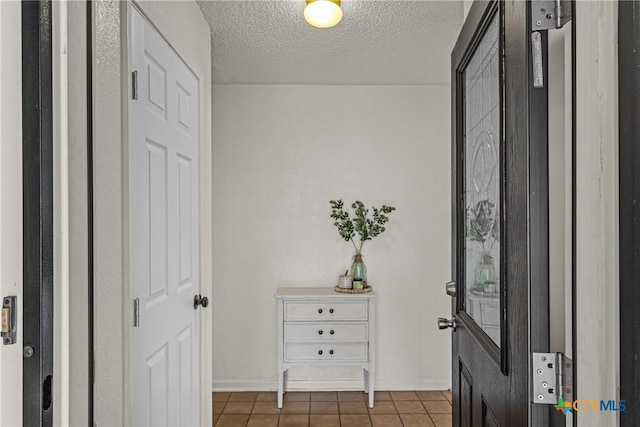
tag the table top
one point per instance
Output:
(325, 292)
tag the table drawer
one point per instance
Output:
(326, 352)
(325, 331)
(325, 310)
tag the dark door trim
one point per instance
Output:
(37, 163)
(90, 269)
(629, 182)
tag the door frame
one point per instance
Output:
(111, 28)
(629, 185)
(38, 233)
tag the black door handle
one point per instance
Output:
(200, 300)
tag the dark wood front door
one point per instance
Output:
(500, 218)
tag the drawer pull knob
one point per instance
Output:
(330, 351)
(332, 332)
(331, 310)
(320, 310)
(320, 352)
(320, 332)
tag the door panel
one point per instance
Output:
(466, 402)
(499, 192)
(164, 204)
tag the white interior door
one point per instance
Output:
(164, 232)
(11, 204)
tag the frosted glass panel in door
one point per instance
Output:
(482, 184)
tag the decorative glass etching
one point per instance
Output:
(482, 184)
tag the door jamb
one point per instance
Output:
(629, 182)
(37, 129)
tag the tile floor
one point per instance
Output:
(333, 409)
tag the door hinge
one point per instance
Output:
(552, 375)
(136, 312)
(550, 14)
(9, 321)
(134, 85)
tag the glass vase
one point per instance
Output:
(358, 272)
(485, 275)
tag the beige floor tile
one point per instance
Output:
(295, 408)
(383, 408)
(416, 420)
(296, 396)
(261, 420)
(232, 420)
(386, 421)
(353, 408)
(324, 420)
(404, 395)
(355, 421)
(351, 396)
(218, 407)
(324, 396)
(447, 394)
(381, 395)
(294, 420)
(409, 407)
(238, 408)
(266, 408)
(441, 420)
(267, 396)
(215, 418)
(243, 396)
(436, 406)
(324, 407)
(221, 396)
(431, 395)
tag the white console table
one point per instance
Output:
(319, 326)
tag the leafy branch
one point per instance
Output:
(362, 225)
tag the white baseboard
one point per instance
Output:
(319, 385)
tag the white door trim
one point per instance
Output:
(61, 309)
(597, 201)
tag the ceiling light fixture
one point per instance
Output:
(323, 13)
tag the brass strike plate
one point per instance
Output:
(5, 320)
(8, 331)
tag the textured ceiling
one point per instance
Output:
(377, 42)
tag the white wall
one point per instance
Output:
(280, 153)
(11, 205)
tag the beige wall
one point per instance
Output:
(280, 153)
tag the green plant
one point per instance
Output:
(362, 225)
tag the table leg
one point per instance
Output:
(366, 380)
(280, 388)
(370, 382)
